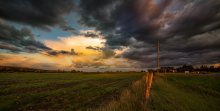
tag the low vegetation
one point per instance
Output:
(108, 92)
(185, 93)
(131, 99)
(67, 91)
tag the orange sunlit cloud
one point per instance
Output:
(78, 43)
(88, 57)
(84, 58)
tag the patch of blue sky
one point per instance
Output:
(42, 34)
(55, 32)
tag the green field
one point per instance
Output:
(107, 92)
(185, 93)
(63, 91)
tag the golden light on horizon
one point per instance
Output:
(78, 43)
(84, 56)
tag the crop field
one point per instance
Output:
(108, 92)
(66, 91)
(185, 93)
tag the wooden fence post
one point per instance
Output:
(149, 78)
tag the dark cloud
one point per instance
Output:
(198, 49)
(12, 48)
(188, 30)
(195, 20)
(68, 28)
(90, 34)
(38, 13)
(61, 52)
(184, 28)
(19, 40)
(94, 48)
(23, 40)
(106, 51)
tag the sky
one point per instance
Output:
(107, 35)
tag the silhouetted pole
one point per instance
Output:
(158, 56)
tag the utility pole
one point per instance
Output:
(158, 56)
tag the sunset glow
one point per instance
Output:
(110, 36)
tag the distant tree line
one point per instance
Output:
(190, 68)
(24, 69)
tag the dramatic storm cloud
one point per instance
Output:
(23, 40)
(61, 52)
(38, 13)
(187, 29)
(19, 40)
(108, 33)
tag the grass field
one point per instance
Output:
(185, 93)
(65, 91)
(107, 92)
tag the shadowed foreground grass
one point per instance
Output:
(185, 93)
(67, 91)
(131, 99)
